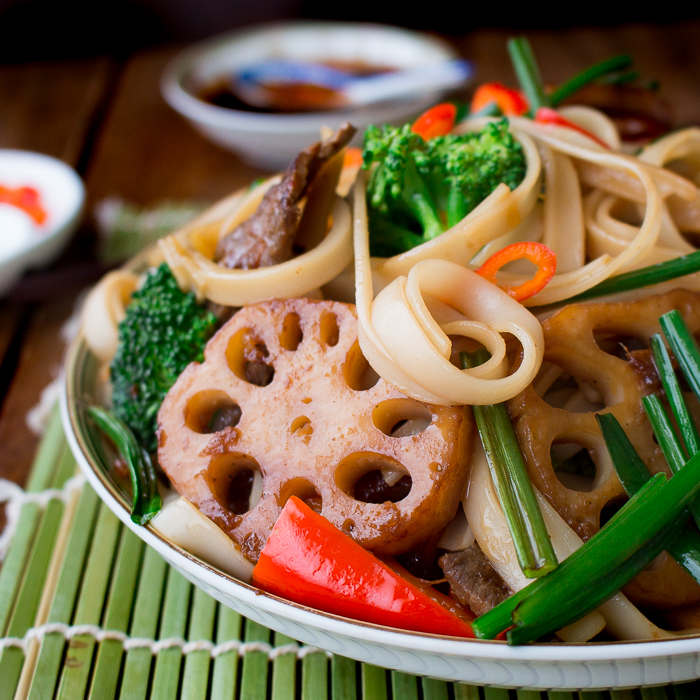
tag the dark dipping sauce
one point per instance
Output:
(287, 97)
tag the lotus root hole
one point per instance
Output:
(330, 332)
(236, 482)
(611, 508)
(248, 358)
(401, 417)
(211, 412)
(573, 396)
(291, 335)
(373, 478)
(302, 489)
(574, 466)
(619, 345)
(301, 426)
(359, 375)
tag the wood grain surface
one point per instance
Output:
(51, 108)
(109, 121)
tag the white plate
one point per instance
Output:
(542, 666)
(62, 196)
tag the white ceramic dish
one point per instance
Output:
(542, 666)
(273, 140)
(62, 196)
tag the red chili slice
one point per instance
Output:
(537, 253)
(547, 115)
(509, 101)
(437, 121)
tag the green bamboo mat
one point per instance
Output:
(83, 604)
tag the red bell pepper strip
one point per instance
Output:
(308, 560)
(437, 121)
(353, 158)
(547, 115)
(537, 253)
(510, 102)
(25, 198)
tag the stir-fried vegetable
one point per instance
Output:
(507, 101)
(672, 389)
(651, 521)
(610, 66)
(144, 483)
(633, 474)
(418, 188)
(163, 331)
(637, 533)
(513, 486)
(308, 560)
(676, 448)
(437, 121)
(643, 277)
(528, 73)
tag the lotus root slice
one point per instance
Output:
(286, 404)
(603, 348)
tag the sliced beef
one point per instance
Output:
(266, 238)
(473, 581)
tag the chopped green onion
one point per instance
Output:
(669, 381)
(144, 482)
(684, 347)
(633, 474)
(685, 549)
(668, 441)
(630, 467)
(513, 486)
(573, 85)
(596, 571)
(620, 78)
(531, 625)
(528, 73)
(598, 561)
(664, 431)
(644, 277)
(489, 110)
(462, 110)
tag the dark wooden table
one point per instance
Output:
(109, 122)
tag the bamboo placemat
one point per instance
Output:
(87, 611)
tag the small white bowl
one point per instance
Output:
(26, 244)
(273, 140)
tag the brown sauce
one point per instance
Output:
(288, 98)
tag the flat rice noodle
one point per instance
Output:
(103, 311)
(679, 149)
(563, 211)
(566, 284)
(593, 121)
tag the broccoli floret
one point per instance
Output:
(417, 189)
(163, 331)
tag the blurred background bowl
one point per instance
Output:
(272, 140)
(62, 196)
